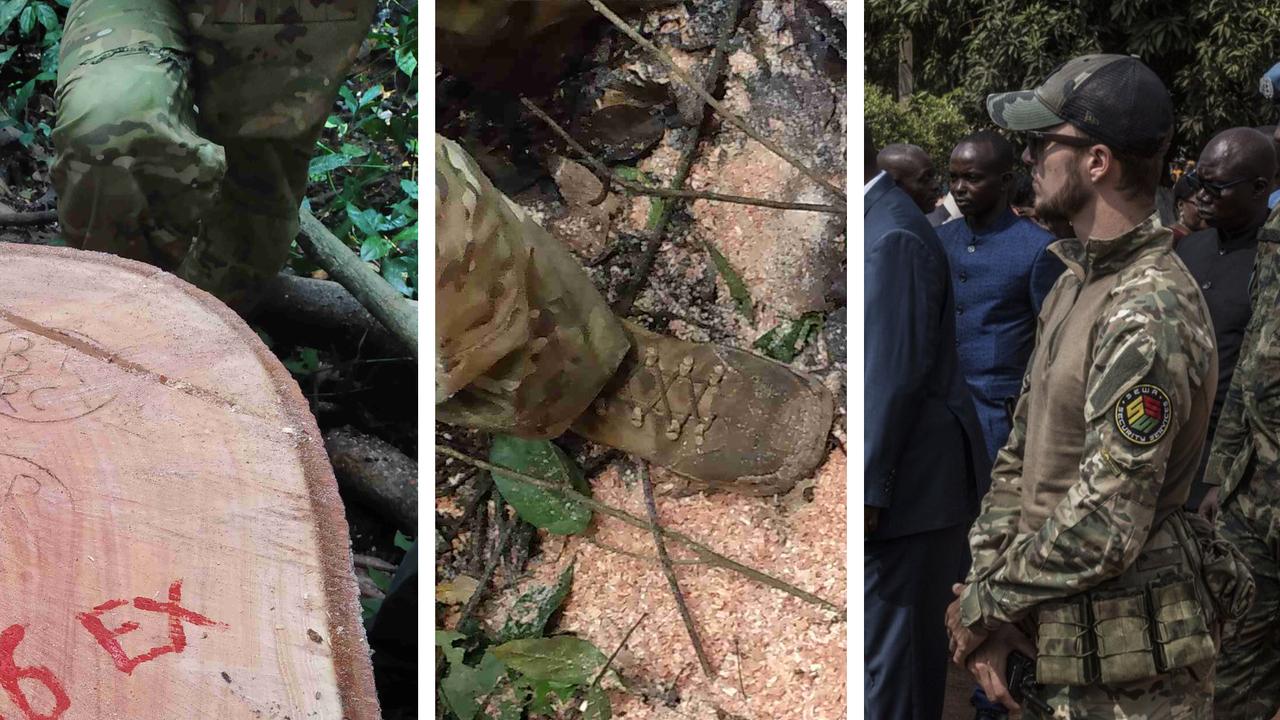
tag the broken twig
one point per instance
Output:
(627, 297)
(670, 573)
(602, 170)
(728, 114)
(23, 219)
(615, 652)
(710, 556)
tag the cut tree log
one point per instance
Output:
(174, 543)
(392, 309)
(376, 474)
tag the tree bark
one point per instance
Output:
(311, 311)
(376, 474)
(398, 314)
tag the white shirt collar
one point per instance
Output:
(867, 188)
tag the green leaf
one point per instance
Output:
(737, 289)
(561, 659)
(403, 541)
(406, 61)
(445, 639)
(369, 607)
(348, 99)
(10, 10)
(19, 101)
(327, 163)
(352, 151)
(465, 686)
(47, 17)
(536, 506)
(598, 707)
(410, 188)
(534, 607)
(27, 20)
(402, 274)
(6, 54)
(381, 579)
(375, 248)
(304, 361)
(786, 340)
(368, 221)
(369, 95)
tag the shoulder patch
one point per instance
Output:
(1143, 414)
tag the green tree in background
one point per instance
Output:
(1210, 53)
(932, 122)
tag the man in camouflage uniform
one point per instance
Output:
(1244, 464)
(185, 129)
(1081, 541)
(526, 345)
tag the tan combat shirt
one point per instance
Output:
(1107, 432)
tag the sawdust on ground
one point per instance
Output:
(774, 655)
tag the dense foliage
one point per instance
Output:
(362, 176)
(1210, 53)
(932, 122)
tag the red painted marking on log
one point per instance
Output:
(177, 635)
(10, 674)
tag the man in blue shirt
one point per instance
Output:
(1001, 273)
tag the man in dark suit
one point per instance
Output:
(923, 455)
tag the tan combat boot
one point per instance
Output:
(726, 419)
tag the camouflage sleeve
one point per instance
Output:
(1232, 432)
(1146, 364)
(998, 519)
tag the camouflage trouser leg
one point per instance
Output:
(133, 177)
(1185, 694)
(524, 341)
(212, 194)
(1248, 672)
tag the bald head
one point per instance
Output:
(1240, 152)
(912, 170)
(1238, 168)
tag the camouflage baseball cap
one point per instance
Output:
(1115, 99)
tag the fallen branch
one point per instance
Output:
(491, 566)
(372, 563)
(609, 176)
(376, 474)
(710, 556)
(627, 297)
(635, 555)
(706, 97)
(614, 654)
(23, 219)
(670, 573)
(384, 302)
(312, 311)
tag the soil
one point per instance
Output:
(773, 655)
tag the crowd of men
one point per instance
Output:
(1072, 412)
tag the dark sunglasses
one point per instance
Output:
(1213, 189)
(1036, 142)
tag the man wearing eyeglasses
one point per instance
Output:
(1082, 545)
(1229, 188)
(1244, 461)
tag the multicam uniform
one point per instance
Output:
(1082, 525)
(185, 129)
(524, 342)
(1245, 461)
(526, 345)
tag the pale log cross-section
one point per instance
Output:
(172, 543)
